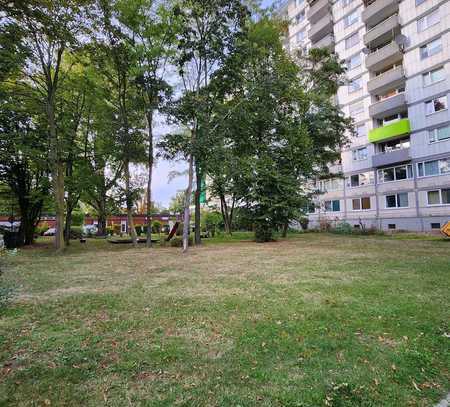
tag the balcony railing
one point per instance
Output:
(390, 131)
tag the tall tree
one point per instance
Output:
(50, 30)
(279, 124)
(151, 28)
(208, 34)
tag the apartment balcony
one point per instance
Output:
(391, 79)
(325, 42)
(322, 28)
(387, 107)
(390, 131)
(383, 32)
(318, 10)
(383, 57)
(392, 157)
(378, 10)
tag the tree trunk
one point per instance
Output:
(129, 203)
(150, 176)
(57, 171)
(226, 215)
(68, 225)
(187, 204)
(198, 192)
(285, 229)
(101, 227)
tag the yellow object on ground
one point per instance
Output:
(446, 229)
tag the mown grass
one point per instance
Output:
(313, 320)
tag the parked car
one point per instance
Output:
(50, 232)
(90, 230)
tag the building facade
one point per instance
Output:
(397, 165)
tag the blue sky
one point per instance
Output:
(162, 189)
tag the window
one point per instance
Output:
(333, 206)
(354, 61)
(355, 85)
(392, 118)
(439, 197)
(362, 179)
(351, 18)
(419, 2)
(356, 108)
(392, 226)
(439, 134)
(390, 94)
(394, 145)
(345, 3)
(395, 173)
(436, 167)
(397, 200)
(436, 75)
(328, 185)
(300, 36)
(361, 130)
(428, 21)
(359, 204)
(299, 17)
(436, 105)
(298, 3)
(352, 41)
(432, 48)
(435, 225)
(359, 154)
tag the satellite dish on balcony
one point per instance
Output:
(401, 40)
(366, 51)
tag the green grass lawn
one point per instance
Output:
(312, 320)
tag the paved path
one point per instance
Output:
(444, 402)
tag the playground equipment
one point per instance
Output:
(445, 230)
(173, 231)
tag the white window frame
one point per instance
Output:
(356, 150)
(434, 138)
(331, 205)
(351, 18)
(440, 197)
(426, 47)
(425, 21)
(350, 68)
(428, 75)
(397, 200)
(358, 80)
(370, 175)
(409, 171)
(432, 103)
(354, 35)
(360, 204)
(439, 168)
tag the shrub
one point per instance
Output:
(156, 226)
(40, 230)
(343, 228)
(77, 218)
(178, 241)
(263, 232)
(304, 222)
(109, 230)
(116, 229)
(76, 232)
(138, 229)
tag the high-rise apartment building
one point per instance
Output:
(397, 166)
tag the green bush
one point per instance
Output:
(138, 230)
(343, 228)
(178, 241)
(109, 230)
(76, 232)
(77, 218)
(40, 230)
(156, 226)
(263, 232)
(116, 229)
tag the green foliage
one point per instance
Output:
(263, 232)
(40, 230)
(77, 218)
(110, 231)
(177, 241)
(156, 226)
(139, 230)
(343, 228)
(76, 232)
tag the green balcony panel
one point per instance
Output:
(390, 131)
